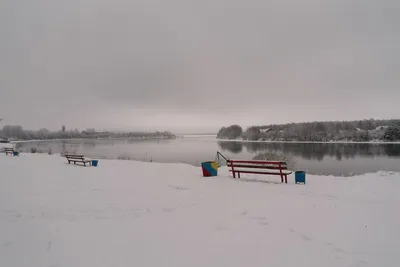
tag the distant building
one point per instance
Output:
(266, 130)
(380, 128)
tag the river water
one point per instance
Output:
(315, 158)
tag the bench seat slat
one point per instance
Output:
(284, 167)
(257, 161)
(272, 173)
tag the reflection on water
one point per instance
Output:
(316, 158)
(234, 147)
(325, 158)
(315, 151)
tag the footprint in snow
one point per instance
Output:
(8, 243)
(303, 236)
(180, 188)
(220, 228)
(262, 220)
(168, 209)
(340, 250)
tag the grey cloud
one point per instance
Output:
(274, 61)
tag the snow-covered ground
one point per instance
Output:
(126, 213)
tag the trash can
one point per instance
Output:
(94, 163)
(209, 168)
(300, 177)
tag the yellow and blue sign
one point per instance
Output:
(210, 168)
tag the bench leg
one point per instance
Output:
(286, 178)
(238, 174)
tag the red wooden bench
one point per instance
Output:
(259, 167)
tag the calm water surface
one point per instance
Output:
(316, 158)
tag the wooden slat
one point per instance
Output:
(284, 167)
(74, 157)
(277, 173)
(255, 172)
(257, 162)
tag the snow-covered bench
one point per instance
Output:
(77, 159)
(259, 167)
(8, 150)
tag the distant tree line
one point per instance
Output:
(231, 132)
(359, 131)
(16, 132)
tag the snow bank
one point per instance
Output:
(125, 213)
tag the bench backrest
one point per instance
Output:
(75, 156)
(8, 149)
(258, 164)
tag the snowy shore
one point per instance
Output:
(377, 142)
(126, 213)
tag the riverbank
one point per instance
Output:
(126, 213)
(307, 142)
(99, 139)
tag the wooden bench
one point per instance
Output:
(77, 159)
(259, 167)
(9, 151)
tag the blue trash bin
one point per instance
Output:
(300, 177)
(94, 163)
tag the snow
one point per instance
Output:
(5, 145)
(126, 213)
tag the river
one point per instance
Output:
(336, 159)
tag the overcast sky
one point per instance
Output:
(193, 66)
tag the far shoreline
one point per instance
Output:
(78, 139)
(209, 136)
